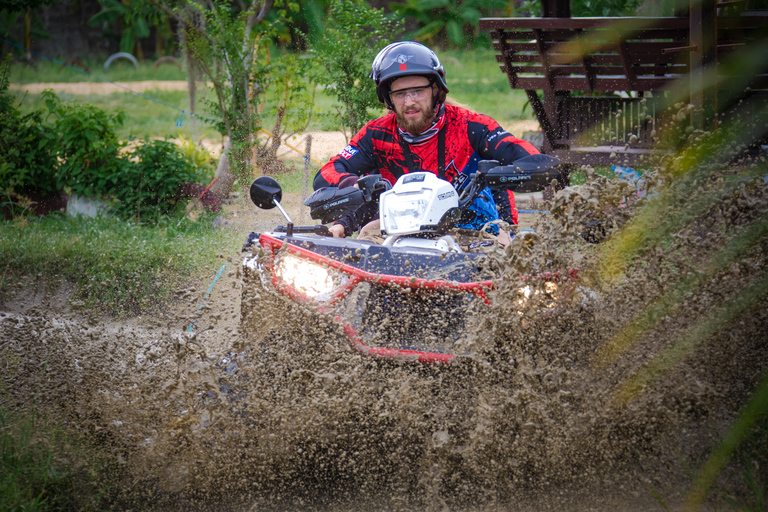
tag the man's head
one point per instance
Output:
(407, 59)
(413, 98)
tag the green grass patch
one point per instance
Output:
(43, 467)
(579, 178)
(124, 267)
(120, 70)
(144, 118)
(292, 180)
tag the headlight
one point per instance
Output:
(418, 199)
(546, 296)
(404, 214)
(304, 276)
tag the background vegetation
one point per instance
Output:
(473, 75)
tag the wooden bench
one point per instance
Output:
(608, 83)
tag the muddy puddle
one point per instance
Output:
(599, 403)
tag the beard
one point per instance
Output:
(415, 125)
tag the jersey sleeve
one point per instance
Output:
(505, 202)
(492, 142)
(356, 158)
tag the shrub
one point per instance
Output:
(80, 152)
(26, 159)
(149, 187)
(88, 147)
(452, 21)
(356, 33)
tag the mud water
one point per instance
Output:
(597, 404)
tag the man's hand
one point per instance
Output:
(337, 230)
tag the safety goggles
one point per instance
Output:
(415, 93)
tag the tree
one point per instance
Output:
(222, 38)
(458, 20)
(25, 6)
(136, 18)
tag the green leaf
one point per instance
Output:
(429, 5)
(141, 28)
(112, 10)
(128, 41)
(429, 30)
(455, 33)
(404, 10)
(471, 15)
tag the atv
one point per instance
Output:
(407, 298)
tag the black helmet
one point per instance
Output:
(405, 58)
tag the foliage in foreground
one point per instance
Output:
(121, 265)
(44, 468)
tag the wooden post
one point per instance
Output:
(703, 35)
(556, 8)
(552, 99)
(305, 185)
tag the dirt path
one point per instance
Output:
(102, 87)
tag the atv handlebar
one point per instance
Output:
(330, 203)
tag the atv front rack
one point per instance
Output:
(353, 277)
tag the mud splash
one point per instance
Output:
(592, 404)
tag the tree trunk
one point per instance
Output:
(226, 179)
(28, 33)
(191, 72)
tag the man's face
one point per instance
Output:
(412, 98)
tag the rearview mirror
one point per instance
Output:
(266, 192)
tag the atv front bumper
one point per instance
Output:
(404, 305)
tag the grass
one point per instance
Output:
(120, 70)
(123, 266)
(43, 467)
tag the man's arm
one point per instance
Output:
(492, 142)
(355, 159)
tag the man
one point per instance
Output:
(422, 133)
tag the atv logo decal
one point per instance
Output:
(413, 178)
(504, 179)
(348, 152)
(446, 195)
(335, 203)
(460, 179)
(402, 60)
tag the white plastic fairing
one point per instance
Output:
(417, 200)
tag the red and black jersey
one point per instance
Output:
(377, 149)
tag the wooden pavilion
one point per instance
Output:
(604, 89)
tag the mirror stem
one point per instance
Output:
(289, 228)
